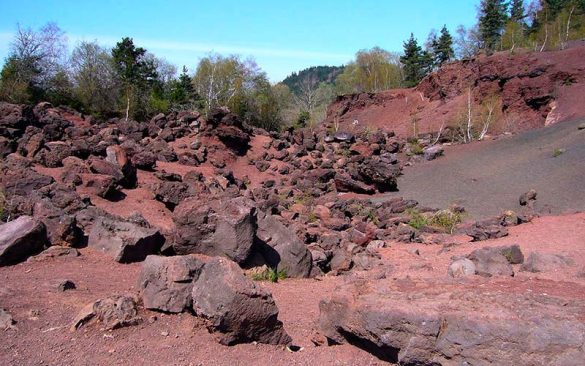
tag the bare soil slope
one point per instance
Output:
(488, 177)
(535, 89)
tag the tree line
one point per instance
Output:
(131, 82)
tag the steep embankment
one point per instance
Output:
(530, 90)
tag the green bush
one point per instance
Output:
(446, 220)
(270, 274)
(417, 219)
(416, 148)
(558, 152)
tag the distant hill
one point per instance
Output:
(321, 73)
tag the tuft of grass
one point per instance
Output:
(417, 219)
(270, 274)
(446, 220)
(416, 149)
(558, 152)
(312, 217)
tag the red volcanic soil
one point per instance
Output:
(535, 89)
(44, 315)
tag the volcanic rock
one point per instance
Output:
(166, 282)
(20, 239)
(236, 309)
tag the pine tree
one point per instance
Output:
(413, 62)
(492, 20)
(517, 11)
(443, 47)
(133, 71)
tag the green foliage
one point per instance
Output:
(441, 48)
(312, 217)
(134, 71)
(492, 20)
(303, 118)
(270, 274)
(31, 68)
(416, 62)
(372, 70)
(446, 220)
(321, 74)
(416, 148)
(417, 219)
(558, 152)
(95, 84)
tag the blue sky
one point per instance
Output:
(283, 36)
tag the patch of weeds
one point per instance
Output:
(270, 274)
(446, 220)
(417, 219)
(312, 217)
(558, 152)
(569, 80)
(345, 152)
(416, 149)
(304, 199)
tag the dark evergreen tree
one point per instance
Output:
(517, 11)
(492, 20)
(443, 47)
(133, 70)
(416, 62)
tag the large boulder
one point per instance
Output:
(125, 241)
(344, 183)
(14, 118)
(380, 173)
(545, 262)
(20, 239)
(439, 326)
(20, 181)
(166, 282)
(236, 308)
(173, 193)
(117, 156)
(487, 229)
(218, 228)
(490, 262)
(285, 250)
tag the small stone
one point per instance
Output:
(6, 320)
(461, 268)
(164, 334)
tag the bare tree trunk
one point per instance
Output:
(564, 44)
(486, 124)
(439, 134)
(469, 121)
(545, 38)
(127, 104)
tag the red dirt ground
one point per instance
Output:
(28, 292)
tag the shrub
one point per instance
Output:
(270, 274)
(416, 149)
(446, 220)
(558, 152)
(417, 219)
